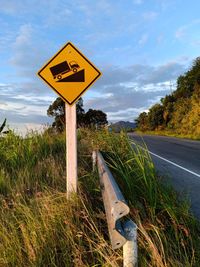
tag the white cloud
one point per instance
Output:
(24, 36)
(187, 30)
(22, 109)
(3, 106)
(27, 128)
(23, 48)
(34, 99)
(29, 51)
(139, 74)
(124, 92)
(128, 114)
(120, 89)
(19, 104)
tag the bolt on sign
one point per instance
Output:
(69, 73)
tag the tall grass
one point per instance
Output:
(51, 231)
(40, 227)
(169, 235)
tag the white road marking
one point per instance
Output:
(171, 162)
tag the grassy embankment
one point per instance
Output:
(40, 227)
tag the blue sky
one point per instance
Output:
(140, 46)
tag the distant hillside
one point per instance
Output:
(179, 112)
(122, 125)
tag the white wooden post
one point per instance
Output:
(71, 148)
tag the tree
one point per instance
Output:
(155, 116)
(142, 121)
(95, 118)
(80, 112)
(92, 118)
(178, 111)
(187, 81)
(57, 111)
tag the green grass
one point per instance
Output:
(40, 227)
(171, 134)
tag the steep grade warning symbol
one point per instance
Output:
(60, 69)
(69, 73)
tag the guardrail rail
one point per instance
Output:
(122, 231)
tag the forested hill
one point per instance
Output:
(179, 112)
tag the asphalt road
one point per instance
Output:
(179, 161)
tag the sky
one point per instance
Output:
(140, 46)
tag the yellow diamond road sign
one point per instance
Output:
(69, 73)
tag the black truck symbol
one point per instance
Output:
(62, 68)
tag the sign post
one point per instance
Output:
(71, 148)
(69, 73)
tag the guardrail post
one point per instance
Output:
(130, 247)
(94, 160)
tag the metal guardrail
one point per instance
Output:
(122, 231)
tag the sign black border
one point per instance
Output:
(69, 43)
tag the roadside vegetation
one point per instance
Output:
(178, 114)
(40, 227)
